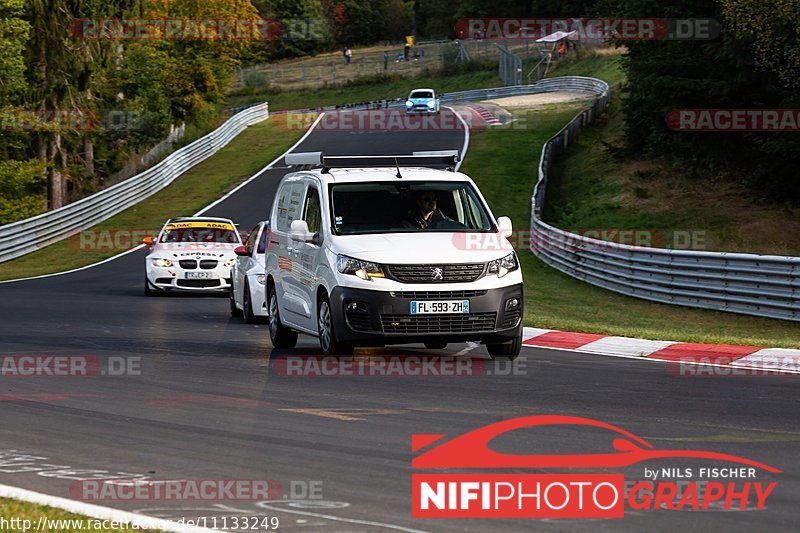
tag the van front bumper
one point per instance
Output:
(367, 317)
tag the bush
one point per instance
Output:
(23, 190)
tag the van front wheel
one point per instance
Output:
(327, 333)
(506, 350)
(280, 335)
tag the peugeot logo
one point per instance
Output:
(437, 273)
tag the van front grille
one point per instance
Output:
(444, 273)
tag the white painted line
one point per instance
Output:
(625, 346)
(269, 166)
(470, 346)
(97, 511)
(771, 358)
(466, 137)
(532, 333)
(640, 358)
(265, 505)
(251, 178)
(104, 261)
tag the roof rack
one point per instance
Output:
(444, 159)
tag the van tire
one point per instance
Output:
(327, 332)
(506, 350)
(280, 335)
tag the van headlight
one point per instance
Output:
(365, 270)
(229, 262)
(160, 262)
(503, 266)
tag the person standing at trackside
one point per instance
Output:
(385, 61)
(406, 51)
(348, 55)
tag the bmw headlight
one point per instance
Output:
(160, 262)
(503, 266)
(365, 270)
(229, 262)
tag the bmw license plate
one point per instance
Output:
(197, 275)
(439, 306)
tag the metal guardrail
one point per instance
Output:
(757, 285)
(25, 236)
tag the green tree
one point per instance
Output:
(22, 190)
(14, 33)
(773, 26)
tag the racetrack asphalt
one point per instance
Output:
(210, 401)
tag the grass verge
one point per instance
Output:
(592, 187)
(503, 161)
(368, 89)
(241, 158)
(23, 516)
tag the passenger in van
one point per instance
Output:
(424, 211)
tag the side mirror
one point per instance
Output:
(505, 227)
(241, 251)
(299, 231)
(148, 241)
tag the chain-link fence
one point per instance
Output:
(333, 69)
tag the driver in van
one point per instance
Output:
(424, 211)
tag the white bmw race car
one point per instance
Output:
(191, 254)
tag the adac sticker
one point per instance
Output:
(205, 225)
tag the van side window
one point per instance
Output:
(289, 203)
(313, 211)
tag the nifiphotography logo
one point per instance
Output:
(721, 482)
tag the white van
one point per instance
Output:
(371, 251)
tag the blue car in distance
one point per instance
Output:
(422, 101)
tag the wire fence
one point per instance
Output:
(333, 69)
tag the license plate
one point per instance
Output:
(439, 306)
(197, 275)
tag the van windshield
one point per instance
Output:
(361, 208)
